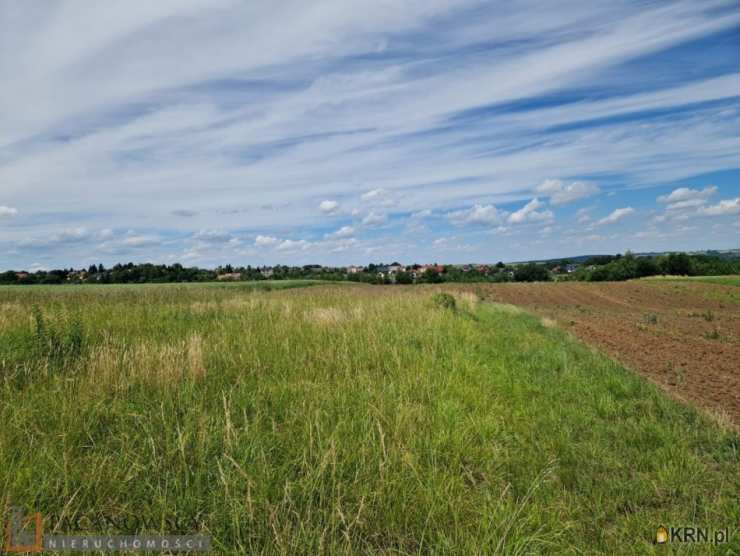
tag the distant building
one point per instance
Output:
(80, 276)
(432, 267)
(230, 276)
(354, 269)
(266, 272)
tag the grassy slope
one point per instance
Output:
(724, 280)
(346, 420)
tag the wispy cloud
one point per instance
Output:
(616, 215)
(343, 232)
(456, 107)
(561, 193)
(293, 245)
(374, 219)
(529, 213)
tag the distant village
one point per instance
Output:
(407, 274)
(394, 273)
(585, 268)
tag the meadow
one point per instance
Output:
(346, 419)
(731, 280)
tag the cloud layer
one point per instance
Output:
(222, 131)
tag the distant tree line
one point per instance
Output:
(629, 266)
(131, 273)
(594, 269)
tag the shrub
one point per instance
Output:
(431, 276)
(404, 278)
(444, 301)
(61, 342)
(531, 273)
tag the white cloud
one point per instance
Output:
(329, 207)
(561, 193)
(7, 211)
(374, 219)
(650, 233)
(582, 216)
(683, 194)
(616, 215)
(685, 204)
(478, 214)
(343, 232)
(265, 241)
(212, 236)
(71, 235)
(341, 245)
(293, 245)
(529, 213)
(141, 241)
(372, 194)
(729, 206)
(67, 236)
(378, 197)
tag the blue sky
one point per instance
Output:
(343, 132)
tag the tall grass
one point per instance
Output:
(346, 420)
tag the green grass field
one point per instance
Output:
(261, 285)
(723, 280)
(345, 420)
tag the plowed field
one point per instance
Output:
(684, 336)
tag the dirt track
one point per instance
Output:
(683, 336)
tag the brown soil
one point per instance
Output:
(683, 336)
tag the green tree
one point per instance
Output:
(404, 278)
(531, 273)
(677, 264)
